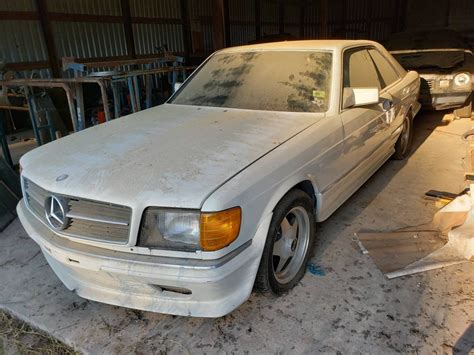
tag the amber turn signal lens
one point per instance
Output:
(219, 229)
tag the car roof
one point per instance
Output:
(333, 44)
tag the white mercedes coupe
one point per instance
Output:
(186, 207)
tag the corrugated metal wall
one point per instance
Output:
(242, 21)
(79, 31)
(149, 36)
(89, 7)
(89, 39)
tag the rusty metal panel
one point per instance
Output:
(149, 36)
(91, 7)
(157, 9)
(89, 40)
(17, 5)
(22, 41)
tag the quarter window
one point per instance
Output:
(359, 70)
(386, 73)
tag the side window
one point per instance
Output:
(359, 70)
(386, 72)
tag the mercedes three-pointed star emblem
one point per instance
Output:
(56, 213)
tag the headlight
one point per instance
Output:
(189, 230)
(462, 79)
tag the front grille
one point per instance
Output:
(88, 219)
(426, 86)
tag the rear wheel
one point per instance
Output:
(466, 110)
(289, 241)
(403, 144)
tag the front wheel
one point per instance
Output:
(403, 144)
(289, 242)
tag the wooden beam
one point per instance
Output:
(127, 27)
(302, 18)
(323, 17)
(368, 24)
(20, 66)
(226, 23)
(218, 27)
(186, 29)
(258, 19)
(19, 15)
(48, 38)
(281, 16)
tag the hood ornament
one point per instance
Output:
(55, 209)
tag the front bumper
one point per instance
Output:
(443, 101)
(145, 282)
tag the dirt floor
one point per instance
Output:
(342, 305)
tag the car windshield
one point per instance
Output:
(292, 81)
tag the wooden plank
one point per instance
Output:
(48, 37)
(186, 28)
(42, 64)
(19, 15)
(226, 24)
(73, 17)
(218, 27)
(302, 18)
(127, 26)
(281, 16)
(258, 19)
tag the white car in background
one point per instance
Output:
(185, 207)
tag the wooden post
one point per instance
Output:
(302, 11)
(127, 27)
(48, 38)
(218, 27)
(258, 19)
(281, 16)
(186, 27)
(323, 18)
(226, 23)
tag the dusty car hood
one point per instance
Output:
(171, 155)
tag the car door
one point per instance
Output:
(364, 127)
(392, 91)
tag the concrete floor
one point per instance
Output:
(348, 307)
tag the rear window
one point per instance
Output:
(293, 81)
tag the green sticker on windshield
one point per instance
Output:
(319, 94)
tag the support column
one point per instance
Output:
(187, 38)
(258, 19)
(127, 26)
(218, 24)
(48, 38)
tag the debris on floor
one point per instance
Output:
(447, 240)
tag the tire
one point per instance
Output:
(466, 110)
(405, 140)
(293, 216)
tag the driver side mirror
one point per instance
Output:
(354, 97)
